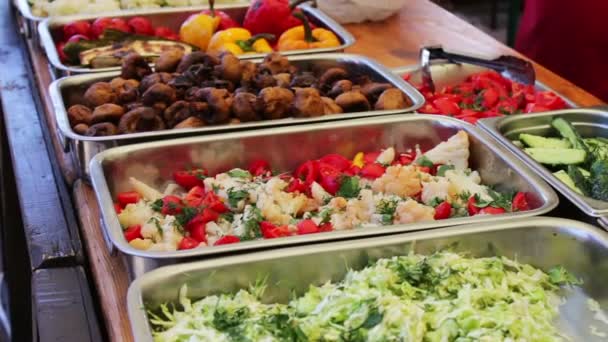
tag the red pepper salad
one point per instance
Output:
(380, 188)
(487, 94)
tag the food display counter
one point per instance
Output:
(80, 246)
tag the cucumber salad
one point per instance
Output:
(580, 163)
(377, 188)
(441, 297)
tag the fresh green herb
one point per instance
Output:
(252, 224)
(185, 216)
(325, 215)
(215, 188)
(235, 196)
(502, 200)
(435, 202)
(157, 205)
(200, 176)
(465, 195)
(387, 208)
(280, 326)
(228, 216)
(424, 161)
(441, 170)
(230, 322)
(157, 224)
(239, 173)
(349, 187)
(374, 318)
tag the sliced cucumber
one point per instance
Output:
(542, 142)
(565, 178)
(557, 156)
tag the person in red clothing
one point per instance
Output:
(570, 38)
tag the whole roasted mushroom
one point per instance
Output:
(245, 107)
(373, 90)
(81, 129)
(152, 79)
(303, 80)
(353, 101)
(101, 129)
(220, 105)
(191, 122)
(274, 63)
(275, 102)
(199, 109)
(99, 93)
(177, 112)
(331, 76)
(264, 80)
(229, 68)
(143, 119)
(308, 103)
(168, 60)
(197, 57)
(158, 92)
(391, 99)
(78, 114)
(134, 66)
(340, 87)
(330, 107)
(125, 90)
(130, 106)
(108, 112)
(248, 72)
(283, 80)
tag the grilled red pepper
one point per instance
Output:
(271, 16)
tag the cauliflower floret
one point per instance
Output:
(135, 213)
(437, 188)
(145, 190)
(399, 180)
(454, 151)
(318, 193)
(149, 229)
(411, 211)
(461, 182)
(171, 235)
(386, 157)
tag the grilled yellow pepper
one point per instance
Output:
(239, 41)
(198, 29)
(302, 37)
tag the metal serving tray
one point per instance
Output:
(287, 147)
(589, 122)
(174, 18)
(449, 74)
(66, 91)
(541, 242)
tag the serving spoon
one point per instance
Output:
(511, 67)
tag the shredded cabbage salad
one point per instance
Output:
(441, 297)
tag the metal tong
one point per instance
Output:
(512, 67)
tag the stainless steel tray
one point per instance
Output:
(590, 122)
(68, 90)
(541, 242)
(445, 74)
(285, 148)
(174, 17)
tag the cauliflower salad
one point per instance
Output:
(374, 189)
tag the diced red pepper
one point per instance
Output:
(307, 227)
(370, 157)
(372, 171)
(133, 232)
(443, 211)
(352, 171)
(337, 161)
(187, 243)
(492, 211)
(490, 97)
(326, 227)
(214, 202)
(535, 108)
(296, 185)
(188, 179)
(271, 231)
(118, 208)
(194, 197)
(329, 178)
(172, 205)
(520, 202)
(446, 106)
(226, 240)
(307, 172)
(259, 167)
(406, 158)
(129, 197)
(207, 215)
(198, 231)
(472, 207)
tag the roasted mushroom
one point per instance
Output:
(331, 76)
(308, 103)
(283, 80)
(158, 92)
(101, 130)
(340, 87)
(197, 57)
(245, 107)
(142, 119)
(330, 106)
(391, 98)
(130, 106)
(353, 101)
(199, 109)
(274, 63)
(108, 112)
(191, 122)
(168, 60)
(264, 80)
(248, 72)
(126, 90)
(275, 102)
(303, 80)
(177, 112)
(81, 129)
(152, 79)
(78, 114)
(373, 90)
(134, 66)
(220, 105)
(229, 68)
(99, 93)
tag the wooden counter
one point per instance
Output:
(394, 42)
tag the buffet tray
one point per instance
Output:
(590, 122)
(449, 74)
(68, 90)
(537, 241)
(174, 17)
(287, 147)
